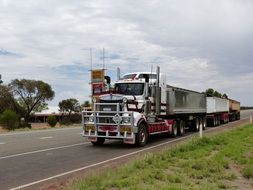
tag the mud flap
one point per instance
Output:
(129, 140)
(92, 139)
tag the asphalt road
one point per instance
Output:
(29, 159)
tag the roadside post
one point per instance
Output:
(250, 119)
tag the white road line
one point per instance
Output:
(39, 131)
(105, 161)
(42, 138)
(1, 143)
(43, 150)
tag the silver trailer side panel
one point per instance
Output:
(182, 101)
(216, 105)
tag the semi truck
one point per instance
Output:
(141, 106)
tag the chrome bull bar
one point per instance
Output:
(108, 123)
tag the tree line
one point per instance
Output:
(210, 92)
(22, 97)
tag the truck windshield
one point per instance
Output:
(129, 88)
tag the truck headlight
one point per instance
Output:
(124, 100)
(91, 119)
(126, 120)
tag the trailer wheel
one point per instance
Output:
(142, 135)
(213, 122)
(238, 116)
(218, 120)
(174, 130)
(201, 123)
(100, 141)
(196, 124)
(181, 128)
(204, 123)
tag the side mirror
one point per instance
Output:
(146, 77)
(108, 79)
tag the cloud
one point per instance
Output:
(6, 53)
(198, 44)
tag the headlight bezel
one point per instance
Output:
(91, 119)
(126, 119)
(124, 100)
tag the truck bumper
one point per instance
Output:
(128, 138)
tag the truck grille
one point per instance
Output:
(110, 108)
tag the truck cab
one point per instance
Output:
(120, 114)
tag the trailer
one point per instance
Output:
(234, 110)
(217, 111)
(185, 108)
(139, 107)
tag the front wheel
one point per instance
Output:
(141, 138)
(100, 141)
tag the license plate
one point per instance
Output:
(127, 129)
(89, 127)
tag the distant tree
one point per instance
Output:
(209, 92)
(86, 104)
(217, 94)
(69, 106)
(213, 93)
(6, 98)
(7, 101)
(31, 95)
(1, 79)
(225, 96)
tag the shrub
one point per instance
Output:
(75, 118)
(52, 120)
(70, 119)
(9, 119)
(65, 121)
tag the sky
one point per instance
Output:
(198, 44)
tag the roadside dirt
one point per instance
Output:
(240, 182)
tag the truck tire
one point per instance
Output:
(238, 116)
(196, 124)
(180, 128)
(100, 141)
(204, 123)
(174, 130)
(201, 123)
(141, 138)
(213, 122)
(218, 121)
